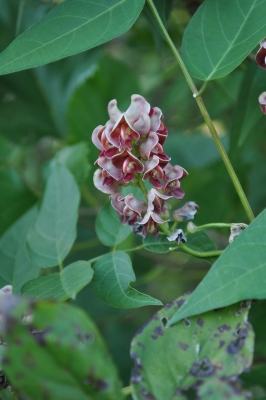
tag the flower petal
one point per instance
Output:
(138, 105)
(156, 119)
(107, 164)
(143, 124)
(261, 55)
(96, 136)
(113, 111)
(147, 146)
(98, 181)
(262, 101)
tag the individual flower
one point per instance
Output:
(154, 172)
(129, 208)
(262, 101)
(128, 164)
(178, 236)
(155, 209)
(172, 177)
(188, 211)
(261, 55)
(105, 182)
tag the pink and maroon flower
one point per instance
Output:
(172, 177)
(262, 101)
(154, 172)
(105, 182)
(188, 211)
(128, 164)
(261, 55)
(129, 208)
(155, 209)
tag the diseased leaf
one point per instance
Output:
(15, 267)
(54, 232)
(75, 276)
(218, 344)
(238, 274)
(109, 228)
(70, 28)
(113, 274)
(60, 286)
(218, 389)
(220, 36)
(57, 354)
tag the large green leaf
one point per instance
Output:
(54, 232)
(57, 354)
(70, 28)
(15, 198)
(15, 267)
(168, 361)
(221, 34)
(60, 286)
(239, 274)
(112, 276)
(109, 228)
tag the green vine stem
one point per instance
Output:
(205, 115)
(213, 225)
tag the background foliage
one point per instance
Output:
(55, 225)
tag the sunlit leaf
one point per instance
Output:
(220, 36)
(50, 240)
(113, 274)
(70, 28)
(239, 274)
(46, 287)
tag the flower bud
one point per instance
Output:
(262, 101)
(236, 230)
(191, 228)
(188, 211)
(178, 236)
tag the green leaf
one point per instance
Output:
(15, 198)
(15, 267)
(159, 244)
(53, 235)
(46, 287)
(70, 28)
(75, 276)
(218, 344)
(75, 158)
(220, 36)
(238, 274)
(60, 286)
(112, 276)
(109, 228)
(64, 358)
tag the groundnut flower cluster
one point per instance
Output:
(131, 152)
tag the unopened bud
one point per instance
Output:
(261, 55)
(262, 101)
(236, 230)
(191, 228)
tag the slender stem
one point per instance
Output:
(127, 390)
(205, 115)
(203, 87)
(142, 187)
(21, 9)
(200, 254)
(214, 225)
(61, 266)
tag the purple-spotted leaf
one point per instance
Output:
(57, 354)
(218, 344)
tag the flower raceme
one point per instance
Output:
(130, 152)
